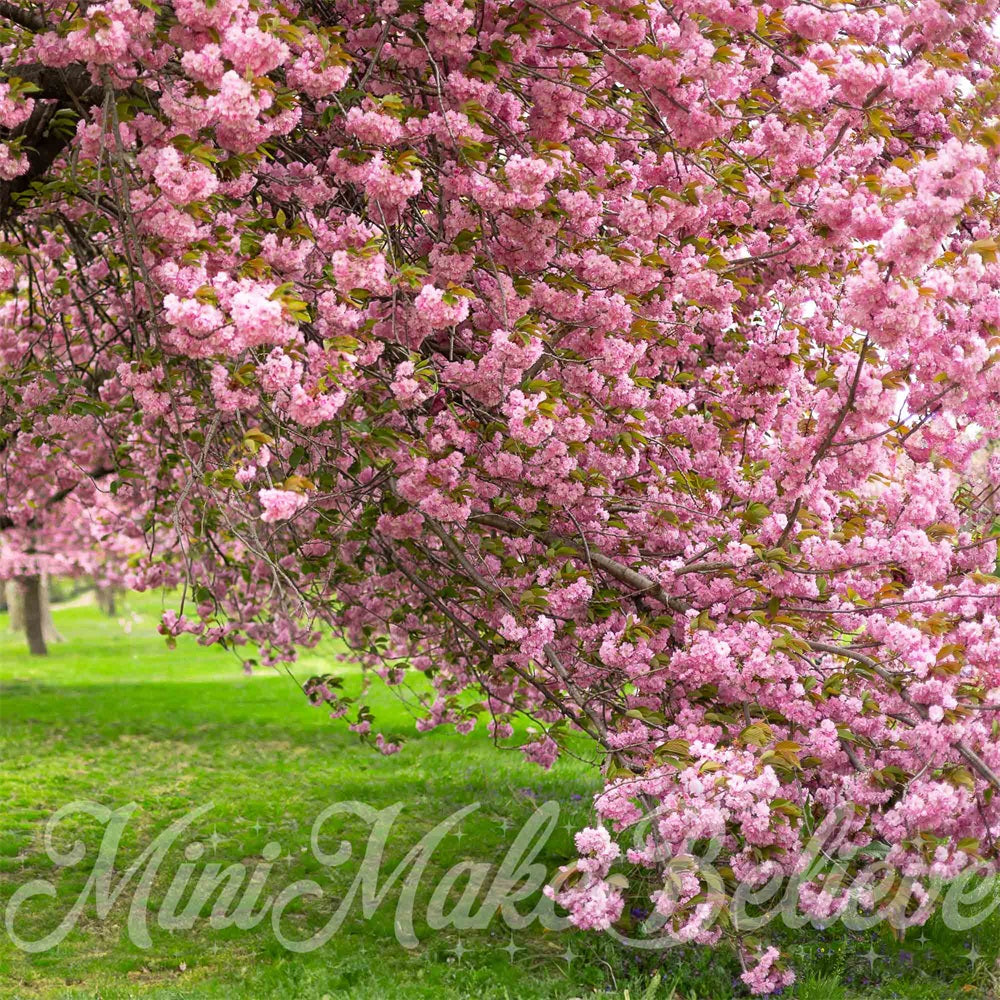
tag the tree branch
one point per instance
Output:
(985, 771)
(20, 16)
(619, 571)
(99, 473)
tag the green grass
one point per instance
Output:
(117, 718)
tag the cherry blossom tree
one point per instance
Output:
(56, 520)
(621, 367)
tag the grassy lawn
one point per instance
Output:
(114, 717)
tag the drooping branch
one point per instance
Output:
(984, 770)
(641, 583)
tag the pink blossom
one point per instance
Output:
(280, 505)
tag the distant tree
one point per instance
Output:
(72, 531)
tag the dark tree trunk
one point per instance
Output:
(49, 631)
(33, 617)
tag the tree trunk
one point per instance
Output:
(49, 630)
(15, 605)
(106, 600)
(31, 587)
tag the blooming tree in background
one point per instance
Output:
(57, 515)
(618, 366)
(78, 536)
